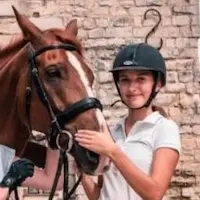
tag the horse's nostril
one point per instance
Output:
(87, 161)
(93, 157)
(106, 168)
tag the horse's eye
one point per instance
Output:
(53, 73)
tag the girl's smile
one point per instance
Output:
(135, 87)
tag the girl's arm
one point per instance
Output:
(153, 186)
(4, 193)
(43, 178)
(149, 187)
(91, 188)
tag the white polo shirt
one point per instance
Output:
(145, 137)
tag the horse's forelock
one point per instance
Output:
(64, 37)
(78, 61)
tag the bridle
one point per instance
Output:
(58, 119)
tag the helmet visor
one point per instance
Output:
(132, 68)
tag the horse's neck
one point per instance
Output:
(9, 119)
(13, 79)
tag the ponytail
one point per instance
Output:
(160, 110)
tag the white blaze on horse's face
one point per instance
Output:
(77, 66)
(104, 161)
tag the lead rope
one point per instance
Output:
(63, 160)
(16, 194)
(66, 177)
(58, 173)
(66, 194)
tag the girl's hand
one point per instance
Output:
(101, 143)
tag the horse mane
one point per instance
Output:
(16, 43)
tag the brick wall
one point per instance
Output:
(107, 24)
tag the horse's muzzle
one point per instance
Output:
(87, 161)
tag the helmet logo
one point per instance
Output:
(128, 62)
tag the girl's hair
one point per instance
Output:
(160, 110)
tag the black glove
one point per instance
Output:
(19, 171)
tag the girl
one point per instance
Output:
(147, 144)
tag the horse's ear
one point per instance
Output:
(30, 31)
(72, 27)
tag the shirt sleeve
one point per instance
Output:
(167, 135)
(6, 158)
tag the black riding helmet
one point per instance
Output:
(141, 57)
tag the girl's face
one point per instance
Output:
(135, 87)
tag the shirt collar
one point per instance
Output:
(150, 119)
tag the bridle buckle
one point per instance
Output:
(63, 147)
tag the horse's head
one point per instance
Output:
(63, 82)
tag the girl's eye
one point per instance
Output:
(123, 80)
(141, 79)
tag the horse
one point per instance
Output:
(46, 85)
